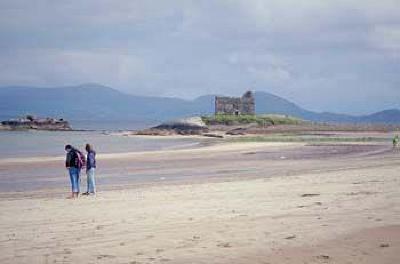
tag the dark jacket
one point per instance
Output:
(91, 160)
(72, 159)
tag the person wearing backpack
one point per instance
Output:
(90, 170)
(74, 162)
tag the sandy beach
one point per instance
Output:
(200, 132)
(229, 203)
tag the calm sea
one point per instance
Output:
(15, 144)
(112, 125)
(21, 144)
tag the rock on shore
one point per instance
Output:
(186, 126)
(31, 122)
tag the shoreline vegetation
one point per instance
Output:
(260, 120)
(267, 128)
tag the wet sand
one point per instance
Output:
(230, 203)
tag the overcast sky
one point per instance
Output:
(341, 56)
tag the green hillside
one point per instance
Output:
(267, 119)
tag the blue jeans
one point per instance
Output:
(91, 183)
(74, 177)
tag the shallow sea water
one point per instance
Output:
(16, 144)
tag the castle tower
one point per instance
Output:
(244, 105)
(248, 103)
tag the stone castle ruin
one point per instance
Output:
(244, 105)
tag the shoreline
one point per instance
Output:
(235, 143)
(204, 162)
(221, 146)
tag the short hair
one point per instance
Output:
(68, 147)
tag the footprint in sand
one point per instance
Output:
(105, 256)
(310, 194)
(190, 242)
(324, 257)
(224, 245)
(362, 193)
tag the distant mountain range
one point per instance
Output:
(94, 102)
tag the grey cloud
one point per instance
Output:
(326, 55)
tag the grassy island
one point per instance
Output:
(262, 120)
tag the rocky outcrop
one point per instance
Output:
(187, 126)
(32, 122)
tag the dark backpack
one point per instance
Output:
(81, 160)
